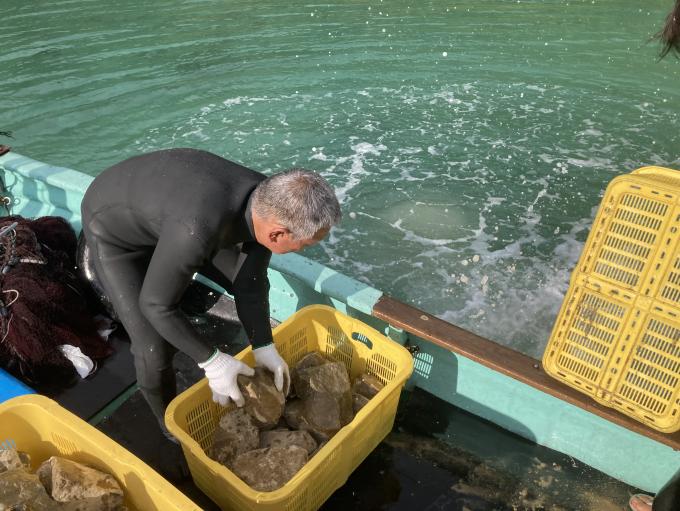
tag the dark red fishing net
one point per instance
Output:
(43, 303)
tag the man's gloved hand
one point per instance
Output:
(268, 356)
(222, 371)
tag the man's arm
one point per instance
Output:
(251, 293)
(250, 287)
(211, 271)
(176, 258)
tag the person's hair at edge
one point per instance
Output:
(299, 199)
(669, 35)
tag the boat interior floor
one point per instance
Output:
(86, 397)
(437, 457)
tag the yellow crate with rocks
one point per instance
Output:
(193, 417)
(40, 427)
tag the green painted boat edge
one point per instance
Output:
(41, 189)
(532, 414)
(113, 405)
(37, 188)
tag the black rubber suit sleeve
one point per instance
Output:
(213, 273)
(177, 256)
(250, 288)
(669, 496)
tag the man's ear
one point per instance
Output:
(277, 233)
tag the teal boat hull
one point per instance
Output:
(38, 189)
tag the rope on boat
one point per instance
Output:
(8, 238)
(8, 247)
(5, 199)
(6, 203)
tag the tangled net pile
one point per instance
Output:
(42, 303)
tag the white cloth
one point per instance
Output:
(83, 364)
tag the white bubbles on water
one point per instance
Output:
(444, 54)
(412, 194)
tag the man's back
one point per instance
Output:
(204, 193)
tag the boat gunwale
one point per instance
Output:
(506, 361)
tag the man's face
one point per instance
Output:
(280, 241)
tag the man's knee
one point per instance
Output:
(151, 362)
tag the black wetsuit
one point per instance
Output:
(668, 498)
(154, 220)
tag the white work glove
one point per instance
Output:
(222, 371)
(268, 356)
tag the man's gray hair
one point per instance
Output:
(300, 199)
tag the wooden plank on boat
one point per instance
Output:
(503, 360)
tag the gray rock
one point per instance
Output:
(21, 490)
(67, 480)
(330, 377)
(105, 502)
(269, 469)
(358, 402)
(367, 385)
(11, 459)
(311, 359)
(25, 459)
(325, 412)
(293, 413)
(264, 402)
(284, 438)
(325, 391)
(236, 433)
(295, 418)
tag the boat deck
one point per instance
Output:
(436, 458)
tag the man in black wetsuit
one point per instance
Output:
(152, 221)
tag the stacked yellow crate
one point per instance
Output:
(617, 336)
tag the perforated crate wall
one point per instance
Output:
(192, 416)
(617, 336)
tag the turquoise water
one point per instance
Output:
(469, 141)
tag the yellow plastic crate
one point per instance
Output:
(192, 416)
(617, 336)
(39, 426)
